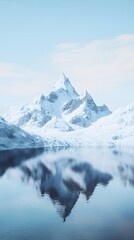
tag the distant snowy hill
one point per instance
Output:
(62, 104)
(115, 129)
(12, 136)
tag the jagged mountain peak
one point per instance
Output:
(61, 82)
(63, 77)
(87, 96)
(64, 83)
(88, 102)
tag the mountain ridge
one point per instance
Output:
(45, 108)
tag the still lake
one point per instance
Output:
(70, 194)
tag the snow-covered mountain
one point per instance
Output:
(12, 136)
(64, 103)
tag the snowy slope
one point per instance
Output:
(64, 103)
(116, 129)
(57, 124)
(14, 137)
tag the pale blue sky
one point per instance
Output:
(40, 39)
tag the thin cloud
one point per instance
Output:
(98, 64)
(12, 70)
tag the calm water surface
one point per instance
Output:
(67, 194)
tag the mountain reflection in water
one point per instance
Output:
(63, 174)
(64, 190)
